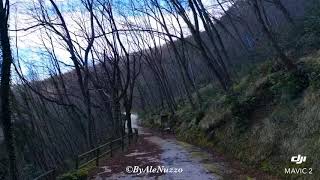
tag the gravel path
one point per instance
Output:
(157, 150)
(177, 156)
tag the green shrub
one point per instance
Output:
(314, 76)
(289, 85)
(312, 18)
(310, 37)
(266, 166)
(80, 174)
(199, 116)
(194, 135)
(242, 110)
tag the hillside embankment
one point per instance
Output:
(270, 116)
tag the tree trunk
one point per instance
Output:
(8, 128)
(128, 118)
(284, 58)
(284, 11)
(116, 114)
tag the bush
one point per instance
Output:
(199, 116)
(314, 76)
(242, 110)
(81, 174)
(310, 39)
(194, 135)
(289, 85)
(312, 18)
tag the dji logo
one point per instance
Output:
(301, 170)
(298, 159)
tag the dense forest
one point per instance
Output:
(242, 74)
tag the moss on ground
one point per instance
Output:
(80, 174)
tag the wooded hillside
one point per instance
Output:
(98, 61)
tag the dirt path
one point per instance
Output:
(177, 156)
(154, 150)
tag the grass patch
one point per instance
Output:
(80, 174)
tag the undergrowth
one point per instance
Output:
(270, 115)
(80, 174)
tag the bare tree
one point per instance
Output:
(217, 65)
(5, 88)
(260, 13)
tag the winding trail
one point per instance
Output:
(154, 149)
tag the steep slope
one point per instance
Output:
(271, 116)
